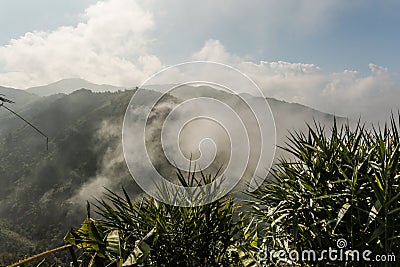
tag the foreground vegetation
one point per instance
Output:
(341, 184)
(152, 233)
(345, 185)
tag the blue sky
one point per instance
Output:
(20, 16)
(301, 51)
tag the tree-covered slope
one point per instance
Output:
(42, 193)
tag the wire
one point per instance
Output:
(33, 126)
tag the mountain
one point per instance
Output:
(21, 98)
(13, 243)
(67, 86)
(42, 193)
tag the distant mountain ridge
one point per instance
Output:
(67, 86)
(21, 98)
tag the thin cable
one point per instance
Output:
(33, 126)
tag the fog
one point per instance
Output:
(209, 129)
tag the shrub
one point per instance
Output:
(152, 233)
(339, 185)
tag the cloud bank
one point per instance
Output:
(109, 45)
(348, 93)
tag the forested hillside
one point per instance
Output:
(43, 192)
(37, 186)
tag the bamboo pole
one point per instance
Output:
(41, 255)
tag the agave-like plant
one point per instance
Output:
(339, 185)
(152, 233)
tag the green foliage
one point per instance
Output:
(153, 233)
(107, 248)
(342, 185)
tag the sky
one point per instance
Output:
(338, 56)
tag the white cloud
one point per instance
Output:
(378, 70)
(346, 93)
(213, 50)
(109, 174)
(109, 45)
